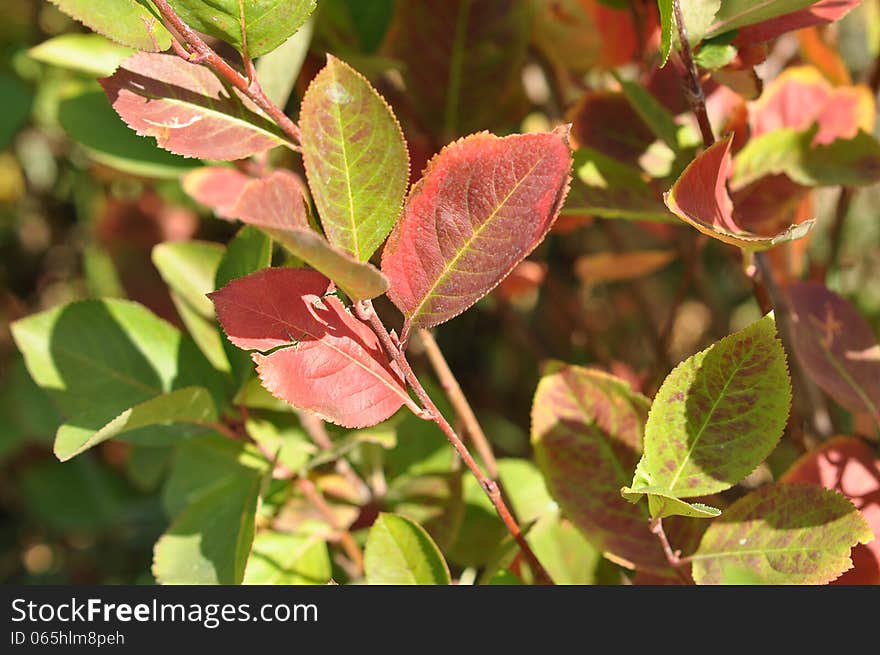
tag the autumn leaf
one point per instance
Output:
(819, 13)
(312, 354)
(188, 109)
(483, 205)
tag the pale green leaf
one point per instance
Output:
(400, 552)
(288, 559)
(91, 54)
(278, 70)
(128, 22)
(189, 268)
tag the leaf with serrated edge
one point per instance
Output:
(700, 197)
(400, 552)
(355, 158)
(587, 435)
(188, 109)
(784, 534)
(716, 417)
(323, 359)
(836, 346)
(261, 24)
(483, 205)
(127, 22)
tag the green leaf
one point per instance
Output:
(562, 550)
(209, 542)
(278, 70)
(698, 17)
(604, 187)
(525, 489)
(739, 13)
(399, 552)
(715, 418)
(146, 465)
(587, 434)
(263, 24)
(91, 54)
(102, 361)
(662, 504)
(248, 252)
(370, 20)
(281, 434)
(288, 559)
(187, 405)
(189, 268)
(655, 115)
(89, 120)
(381, 435)
(359, 280)
(129, 22)
(667, 25)
(16, 108)
(204, 331)
(782, 534)
(715, 55)
(201, 463)
(355, 158)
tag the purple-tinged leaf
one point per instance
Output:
(322, 358)
(782, 534)
(483, 205)
(188, 109)
(836, 346)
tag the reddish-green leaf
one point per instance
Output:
(820, 13)
(188, 109)
(782, 534)
(355, 158)
(735, 14)
(716, 417)
(276, 205)
(849, 466)
(462, 62)
(836, 346)
(606, 121)
(700, 197)
(132, 23)
(483, 204)
(322, 358)
(587, 434)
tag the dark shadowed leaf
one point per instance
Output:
(607, 122)
(322, 359)
(355, 158)
(262, 24)
(587, 434)
(700, 197)
(458, 53)
(851, 467)
(768, 534)
(129, 22)
(188, 109)
(715, 418)
(400, 552)
(16, 107)
(836, 346)
(482, 206)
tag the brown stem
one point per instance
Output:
(672, 556)
(460, 404)
(693, 89)
(203, 53)
(349, 545)
(367, 313)
(835, 237)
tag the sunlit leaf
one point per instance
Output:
(88, 53)
(288, 559)
(400, 552)
(129, 22)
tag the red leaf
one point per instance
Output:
(849, 466)
(607, 122)
(802, 96)
(825, 11)
(836, 346)
(325, 361)
(482, 206)
(188, 109)
(218, 187)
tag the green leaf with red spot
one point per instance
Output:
(715, 418)
(482, 206)
(700, 197)
(355, 158)
(782, 534)
(836, 346)
(587, 434)
(188, 109)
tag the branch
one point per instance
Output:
(460, 404)
(693, 89)
(201, 52)
(672, 556)
(367, 313)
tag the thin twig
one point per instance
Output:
(367, 313)
(460, 404)
(201, 52)
(835, 236)
(693, 89)
(349, 545)
(673, 557)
